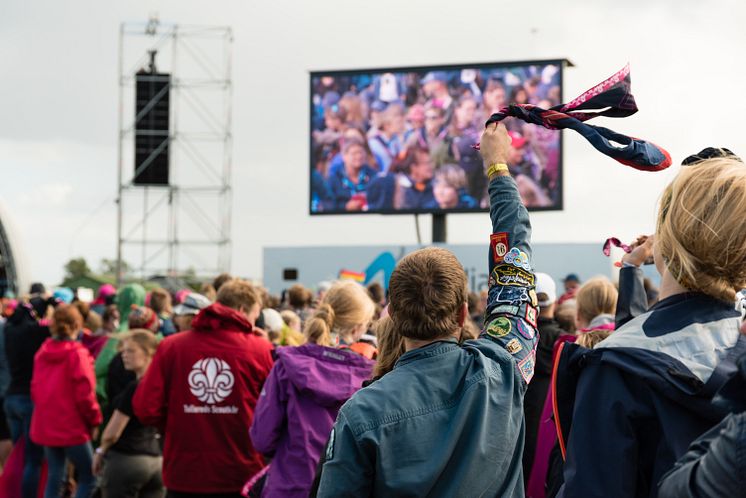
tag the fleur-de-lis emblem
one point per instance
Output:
(211, 380)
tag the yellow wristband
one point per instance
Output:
(494, 168)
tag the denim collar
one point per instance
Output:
(433, 349)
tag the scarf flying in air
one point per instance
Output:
(612, 98)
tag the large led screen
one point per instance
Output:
(398, 141)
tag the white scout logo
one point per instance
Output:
(211, 380)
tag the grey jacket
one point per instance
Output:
(448, 420)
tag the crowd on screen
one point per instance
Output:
(403, 141)
(423, 388)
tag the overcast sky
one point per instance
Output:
(58, 103)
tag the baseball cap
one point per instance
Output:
(435, 76)
(545, 285)
(273, 322)
(192, 304)
(571, 277)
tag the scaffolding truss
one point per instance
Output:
(183, 227)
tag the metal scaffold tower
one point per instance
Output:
(181, 225)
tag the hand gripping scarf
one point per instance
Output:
(610, 98)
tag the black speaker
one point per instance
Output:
(151, 128)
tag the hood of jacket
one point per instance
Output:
(128, 296)
(327, 375)
(56, 351)
(220, 317)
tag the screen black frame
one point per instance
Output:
(425, 69)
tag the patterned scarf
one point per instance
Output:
(611, 98)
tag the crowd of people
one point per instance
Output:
(403, 141)
(421, 389)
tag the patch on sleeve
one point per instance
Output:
(534, 298)
(526, 367)
(531, 315)
(525, 330)
(509, 275)
(513, 346)
(499, 327)
(507, 309)
(330, 446)
(518, 258)
(499, 246)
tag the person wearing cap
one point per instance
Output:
(572, 284)
(435, 88)
(536, 394)
(104, 297)
(185, 311)
(280, 333)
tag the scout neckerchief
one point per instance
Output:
(611, 98)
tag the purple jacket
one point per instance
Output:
(296, 411)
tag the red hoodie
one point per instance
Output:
(63, 390)
(201, 390)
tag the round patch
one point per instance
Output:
(499, 327)
(501, 249)
(525, 330)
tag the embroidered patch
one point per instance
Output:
(526, 367)
(330, 446)
(513, 276)
(506, 308)
(531, 315)
(534, 298)
(499, 246)
(499, 327)
(513, 346)
(525, 330)
(518, 258)
(507, 295)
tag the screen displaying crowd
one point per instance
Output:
(393, 142)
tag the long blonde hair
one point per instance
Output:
(596, 297)
(345, 306)
(701, 229)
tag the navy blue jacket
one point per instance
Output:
(629, 408)
(715, 464)
(341, 189)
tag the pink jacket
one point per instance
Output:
(63, 390)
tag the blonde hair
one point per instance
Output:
(701, 229)
(345, 306)
(596, 297)
(390, 346)
(592, 337)
(144, 338)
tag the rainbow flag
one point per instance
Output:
(352, 275)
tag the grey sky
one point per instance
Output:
(58, 102)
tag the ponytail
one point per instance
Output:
(318, 328)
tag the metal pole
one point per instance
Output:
(224, 262)
(120, 158)
(439, 228)
(172, 191)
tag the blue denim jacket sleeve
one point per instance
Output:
(512, 313)
(348, 470)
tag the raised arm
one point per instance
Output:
(511, 312)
